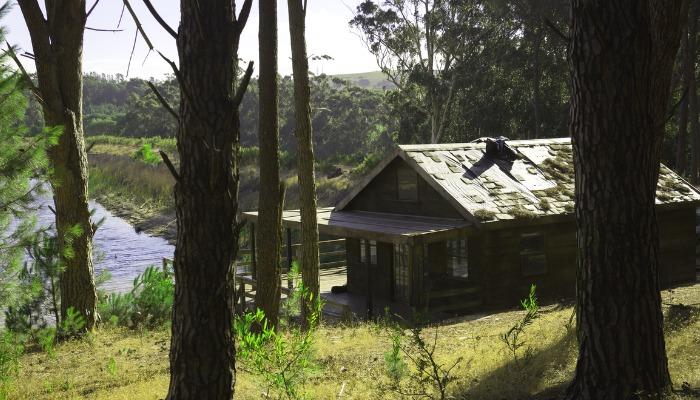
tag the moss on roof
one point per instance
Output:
(539, 182)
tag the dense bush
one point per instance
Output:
(149, 304)
(146, 154)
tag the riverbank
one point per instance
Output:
(141, 192)
(145, 218)
(125, 364)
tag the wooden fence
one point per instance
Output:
(332, 255)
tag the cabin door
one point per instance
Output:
(400, 274)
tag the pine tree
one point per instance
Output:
(22, 159)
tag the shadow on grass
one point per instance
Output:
(540, 375)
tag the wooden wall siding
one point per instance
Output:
(436, 260)
(381, 195)
(496, 255)
(381, 273)
(677, 246)
(495, 265)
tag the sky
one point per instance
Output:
(327, 33)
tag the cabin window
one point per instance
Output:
(407, 181)
(401, 277)
(533, 260)
(457, 259)
(372, 244)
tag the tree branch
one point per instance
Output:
(162, 100)
(243, 16)
(131, 55)
(25, 75)
(556, 30)
(103, 30)
(160, 19)
(170, 165)
(91, 9)
(37, 25)
(138, 24)
(240, 92)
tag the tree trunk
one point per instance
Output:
(681, 141)
(621, 57)
(537, 74)
(693, 91)
(267, 295)
(305, 153)
(202, 353)
(57, 42)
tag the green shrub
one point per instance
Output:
(149, 304)
(146, 154)
(368, 162)
(116, 308)
(412, 364)
(72, 325)
(513, 339)
(153, 294)
(284, 358)
(10, 351)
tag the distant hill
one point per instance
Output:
(368, 80)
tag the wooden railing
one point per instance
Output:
(331, 256)
(245, 259)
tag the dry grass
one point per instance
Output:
(115, 175)
(130, 180)
(353, 357)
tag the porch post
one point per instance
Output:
(253, 257)
(368, 269)
(290, 283)
(415, 268)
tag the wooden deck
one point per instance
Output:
(343, 306)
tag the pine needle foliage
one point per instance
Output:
(23, 162)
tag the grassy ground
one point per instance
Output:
(142, 193)
(120, 364)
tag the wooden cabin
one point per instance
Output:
(454, 228)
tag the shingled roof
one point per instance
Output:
(539, 182)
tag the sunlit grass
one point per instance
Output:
(351, 359)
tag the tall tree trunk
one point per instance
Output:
(681, 141)
(57, 42)
(621, 57)
(305, 152)
(267, 295)
(693, 90)
(537, 75)
(202, 353)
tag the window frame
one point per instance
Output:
(368, 252)
(533, 258)
(459, 253)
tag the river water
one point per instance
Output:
(117, 246)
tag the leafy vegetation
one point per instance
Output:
(350, 357)
(412, 364)
(149, 303)
(513, 338)
(283, 359)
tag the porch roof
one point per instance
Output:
(384, 227)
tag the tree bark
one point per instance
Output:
(537, 75)
(267, 295)
(305, 153)
(681, 141)
(621, 57)
(57, 42)
(693, 91)
(202, 353)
